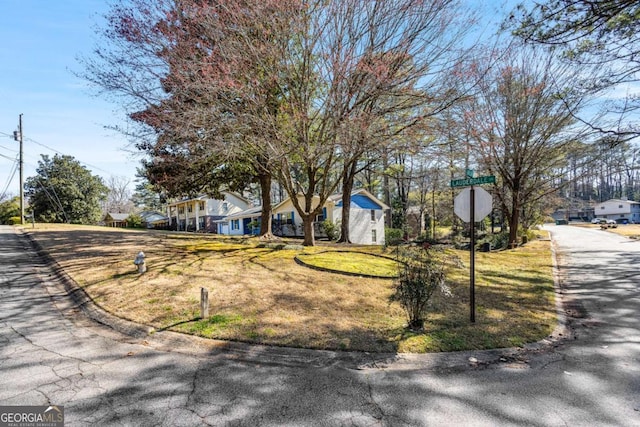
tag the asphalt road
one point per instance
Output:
(52, 353)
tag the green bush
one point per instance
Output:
(497, 241)
(331, 229)
(419, 277)
(393, 236)
(134, 221)
(13, 220)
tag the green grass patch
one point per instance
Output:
(356, 263)
(212, 326)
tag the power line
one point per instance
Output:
(12, 174)
(8, 149)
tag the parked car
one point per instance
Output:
(598, 220)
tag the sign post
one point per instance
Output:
(469, 213)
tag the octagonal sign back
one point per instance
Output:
(483, 204)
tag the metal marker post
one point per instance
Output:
(472, 287)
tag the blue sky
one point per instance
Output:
(41, 40)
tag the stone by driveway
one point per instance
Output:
(52, 353)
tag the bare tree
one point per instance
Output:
(118, 195)
(523, 124)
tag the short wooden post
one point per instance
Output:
(204, 303)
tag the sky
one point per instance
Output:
(41, 41)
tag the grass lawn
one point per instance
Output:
(259, 293)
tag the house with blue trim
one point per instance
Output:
(366, 219)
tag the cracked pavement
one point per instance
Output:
(57, 348)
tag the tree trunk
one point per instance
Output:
(307, 225)
(347, 187)
(386, 190)
(514, 220)
(265, 197)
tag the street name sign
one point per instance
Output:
(466, 182)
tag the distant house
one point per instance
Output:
(153, 219)
(203, 213)
(620, 210)
(112, 219)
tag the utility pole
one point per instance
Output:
(18, 137)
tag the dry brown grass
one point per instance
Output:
(260, 294)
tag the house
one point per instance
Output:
(240, 223)
(202, 213)
(112, 219)
(366, 217)
(153, 219)
(620, 210)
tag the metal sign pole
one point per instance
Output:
(472, 286)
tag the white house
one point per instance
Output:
(366, 217)
(202, 213)
(620, 210)
(240, 223)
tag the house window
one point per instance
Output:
(235, 224)
(201, 206)
(181, 210)
(286, 218)
(190, 208)
(373, 215)
(620, 206)
(374, 236)
(225, 207)
(602, 207)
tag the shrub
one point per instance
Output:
(331, 229)
(393, 236)
(419, 277)
(134, 221)
(13, 220)
(497, 241)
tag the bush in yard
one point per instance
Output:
(421, 274)
(331, 229)
(134, 221)
(393, 236)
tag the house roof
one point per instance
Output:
(205, 197)
(117, 216)
(631, 202)
(362, 199)
(152, 216)
(251, 212)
